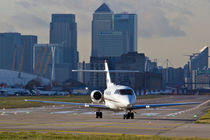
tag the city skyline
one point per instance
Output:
(167, 29)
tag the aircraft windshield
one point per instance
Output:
(124, 92)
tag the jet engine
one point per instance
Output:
(96, 96)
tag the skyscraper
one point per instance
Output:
(113, 34)
(102, 22)
(63, 29)
(11, 50)
(127, 23)
(28, 41)
(199, 61)
(8, 43)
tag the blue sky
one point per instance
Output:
(166, 28)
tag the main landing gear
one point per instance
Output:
(128, 115)
(99, 114)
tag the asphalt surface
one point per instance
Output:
(166, 121)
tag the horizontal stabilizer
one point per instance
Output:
(88, 71)
(120, 71)
(124, 71)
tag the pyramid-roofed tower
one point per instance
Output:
(104, 8)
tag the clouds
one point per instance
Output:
(5, 27)
(29, 21)
(156, 24)
(83, 10)
(154, 17)
(160, 22)
(153, 20)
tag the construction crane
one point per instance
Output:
(48, 60)
(14, 58)
(37, 60)
(42, 61)
(21, 61)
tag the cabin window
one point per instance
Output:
(124, 92)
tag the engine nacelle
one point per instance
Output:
(96, 96)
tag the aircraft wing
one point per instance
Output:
(141, 106)
(88, 105)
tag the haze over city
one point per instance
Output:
(166, 29)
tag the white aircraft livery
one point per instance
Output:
(115, 98)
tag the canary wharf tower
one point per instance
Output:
(102, 22)
(113, 34)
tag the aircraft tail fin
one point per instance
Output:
(108, 78)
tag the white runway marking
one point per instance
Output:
(64, 112)
(88, 113)
(118, 113)
(191, 109)
(149, 114)
(161, 109)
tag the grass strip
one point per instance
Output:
(18, 101)
(205, 119)
(62, 136)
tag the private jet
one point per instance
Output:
(115, 98)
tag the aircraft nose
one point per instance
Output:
(128, 102)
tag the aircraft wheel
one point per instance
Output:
(100, 114)
(124, 116)
(132, 115)
(128, 115)
(97, 114)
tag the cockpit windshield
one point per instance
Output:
(124, 92)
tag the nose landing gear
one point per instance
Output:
(128, 115)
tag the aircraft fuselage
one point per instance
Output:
(119, 97)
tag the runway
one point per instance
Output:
(69, 119)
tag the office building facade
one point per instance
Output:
(129, 61)
(173, 77)
(28, 41)
(111, 44)
(198, 62)
(102, 22)
(11, 50)
(63, 30)
(8, 43)
(113, 34)
(127, 24)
